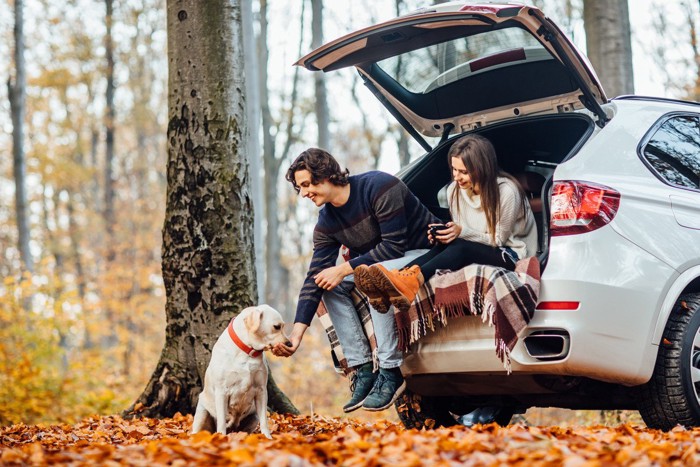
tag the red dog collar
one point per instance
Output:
(237, 340)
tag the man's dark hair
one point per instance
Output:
(321, 165)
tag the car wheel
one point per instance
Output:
(672, 395)
(416, 411)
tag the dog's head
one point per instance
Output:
(264, 326)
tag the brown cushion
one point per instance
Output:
(532, 183)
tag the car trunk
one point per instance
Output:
(529, 149)
(465, 65)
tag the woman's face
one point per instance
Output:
(460, 174)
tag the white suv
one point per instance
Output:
(616, 190)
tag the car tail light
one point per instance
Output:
(579, 207)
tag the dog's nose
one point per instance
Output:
(288, 344)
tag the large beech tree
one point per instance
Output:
(208, 260)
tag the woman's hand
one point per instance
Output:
(448, 234)
(429, 232)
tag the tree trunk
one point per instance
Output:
(271, 167)
(81, 279)
(321, 102)
(276, 275)
(402, 137)
(374, 140)
(109, 133)
(402, 141)
(608, 44)
(694, 89)
(252, 90)
(17, 96)
(208, 229)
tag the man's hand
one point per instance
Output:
(295, 338)
(330, 277)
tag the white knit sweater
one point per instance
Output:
(512, 229)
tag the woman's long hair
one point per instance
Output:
(479, 157)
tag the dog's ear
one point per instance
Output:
(252, 321)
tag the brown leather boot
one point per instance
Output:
(401, 286)
(365, 283)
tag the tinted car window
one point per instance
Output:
(431, 67)
(674, 152)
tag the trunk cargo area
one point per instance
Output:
(529, 149)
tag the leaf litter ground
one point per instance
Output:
(315, 440)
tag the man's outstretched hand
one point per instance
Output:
(295, 338)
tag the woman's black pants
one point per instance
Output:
(460, 253)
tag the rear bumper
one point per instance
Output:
(619, 287)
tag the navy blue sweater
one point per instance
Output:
(381, 220)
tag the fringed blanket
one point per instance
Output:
(504, 299)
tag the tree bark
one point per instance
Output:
(374, 140)
(321, 102)
(109, 133)
(110, 339)
(694, 89)
(208, 230)
(402, 143)
(276, 274)
(252, 90)
(271, 166)
(402, 137)
(608, 44)
(17, 95)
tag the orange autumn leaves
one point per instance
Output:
(305, 440)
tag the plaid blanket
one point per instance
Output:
(504, 299)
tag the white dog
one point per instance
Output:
(235, 383)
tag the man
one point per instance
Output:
(378, 219)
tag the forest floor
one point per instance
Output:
(317, 440)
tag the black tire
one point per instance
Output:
(416, 411)
(672, 395)
(505, 416)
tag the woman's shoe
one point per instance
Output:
(364, 281)
(401, 286)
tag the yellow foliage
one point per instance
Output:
(48, 372)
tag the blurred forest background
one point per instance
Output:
(81, 298)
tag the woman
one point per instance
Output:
(492, 224)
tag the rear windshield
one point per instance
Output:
(423, 70)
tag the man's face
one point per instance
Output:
(318, 193)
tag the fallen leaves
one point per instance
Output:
(304, 440)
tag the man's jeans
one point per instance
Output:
(349, 329)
